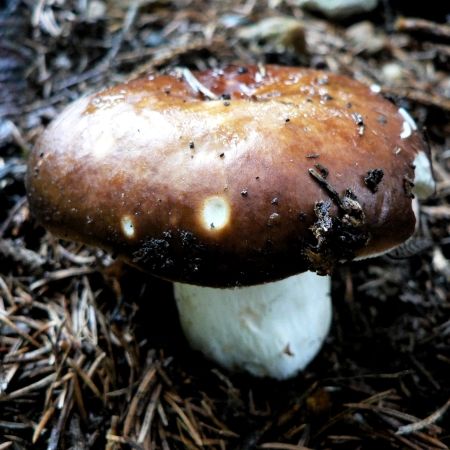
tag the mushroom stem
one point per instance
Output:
(274, 329)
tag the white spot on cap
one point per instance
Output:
(406, 131)
(375, 88)
(408, 125)
(215, 213)
(127, 226)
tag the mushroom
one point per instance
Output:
(245, 187)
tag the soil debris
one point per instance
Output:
(373, 179)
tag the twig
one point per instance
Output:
(4, 226)
(5, 289)
(195, 84)
(42, 423)
(430, 420)
(13, 425)
(440, 30)
(55, 435)
(140, 393)
(19, 254)
(184, 420)
(280, 446)
(323, 183)
(85, 378)
(419, 96)
(147, 423)
(9, 323)
(128, 21)
(27, 389)
(61, 274)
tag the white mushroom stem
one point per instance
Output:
(274, 329)
(424, 183)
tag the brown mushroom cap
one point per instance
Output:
(287, 170)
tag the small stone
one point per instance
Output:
(96, 10)
(338, 9)
(276, 34)
(393, 72)
(364, 38)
